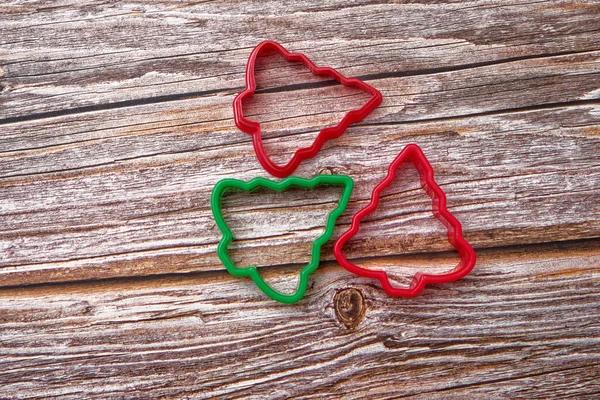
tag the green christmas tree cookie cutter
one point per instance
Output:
(330, 180)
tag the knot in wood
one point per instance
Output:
(349, 307)
(326, 171)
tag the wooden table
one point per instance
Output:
(116, 122)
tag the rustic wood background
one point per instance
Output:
(116, 121)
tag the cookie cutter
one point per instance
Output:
(414, 154)
(253, 128)
(217, 194)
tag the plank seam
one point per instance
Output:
(589, 244)
(197, 94)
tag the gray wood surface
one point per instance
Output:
(116, 122)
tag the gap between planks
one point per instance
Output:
(533, 251)
(301, 86)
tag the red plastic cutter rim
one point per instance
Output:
(414, 154)
(253, 128)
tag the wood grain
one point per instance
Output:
(85, 54)
(524, 324)
(151, 214)
(116, 122)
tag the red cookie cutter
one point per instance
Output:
(414, 154)
(253, 128)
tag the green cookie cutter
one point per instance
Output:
(217, 194)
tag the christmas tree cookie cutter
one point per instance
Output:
(413, 154)
(344, 181)
(253, 128)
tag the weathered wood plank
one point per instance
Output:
(525, 318)
(509, 86)
(72, 54)
(150, 214)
